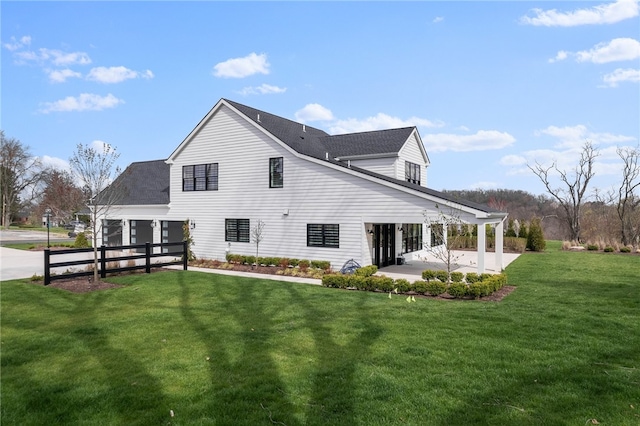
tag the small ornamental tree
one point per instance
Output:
(443, 245)
(186, 235)
(511, 231)
(535, 238)
(257, 235)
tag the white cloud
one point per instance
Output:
(437, 19)
(618, 49)
(60, 76)
(512, 160)
(620, 75)
(482, 140)
(313, 112)
(16, 44)
(53, 57)
(380, 121)
(602, 14)
(242, 67)
(574, 137)
(264, 89)
(84, 102)
(55, 163)
(110, 75)
(102, 147)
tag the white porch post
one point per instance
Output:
(482, 244)
(499, 244)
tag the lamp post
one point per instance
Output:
(47, 213)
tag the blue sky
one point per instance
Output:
(491, 86)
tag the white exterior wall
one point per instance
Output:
(385, 166)
(312, 193)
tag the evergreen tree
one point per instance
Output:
(535, 238)
(511, 232)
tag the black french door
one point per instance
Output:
(384, 244)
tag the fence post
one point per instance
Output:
(147, 248)
(103, 261)
(47, 272)
(185, 257)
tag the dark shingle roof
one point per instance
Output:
(143, 183)
(317, 143)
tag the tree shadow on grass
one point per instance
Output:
(125, 394)
(245, 387)
(334, 387)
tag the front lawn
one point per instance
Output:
(562, 349)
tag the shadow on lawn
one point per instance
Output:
(247, 385)
(126, 393)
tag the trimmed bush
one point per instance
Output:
(420, 287)
(321, 264)
(485, 276)
(436, 288)
(304, 264)
(294, 262)
(457, 289)
(457, 277)
(442, 276)
(625, 249)
(593, 247)
(608, 249)
(366, 271)
(428, 274)
(479, 289)
(402, 285)
(472, 277)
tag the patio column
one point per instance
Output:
(482, 247)
(499, 246)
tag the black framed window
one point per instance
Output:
(200, 177)
(323, 235)
(276, 169)
(412, 172)
(411, 237)
(236, 230)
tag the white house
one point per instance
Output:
(359, 196)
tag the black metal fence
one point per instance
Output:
(104, 260)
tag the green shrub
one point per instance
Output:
(535, 237)
(479, 289)
(420, 287)
(608, 249)
(249, 260)
(592, 247)
(321, 264)
(472, 277)
(366, 271)
(625, 249)
(442, 276)
(428, 274)
(333, 280)
(402, 285)
(515, 244)
(381, 283)
(457, 277)
(485, 276)
(81, 241)
(436, 288)
(294, 262)
(359, 283)
(457, 290)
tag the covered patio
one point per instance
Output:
(467, 261)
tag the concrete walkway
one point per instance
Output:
(17, 264)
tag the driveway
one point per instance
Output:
(16, 264)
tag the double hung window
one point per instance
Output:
(200, 177)
(276, 169)
(412, 172)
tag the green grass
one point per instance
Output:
(562, 349)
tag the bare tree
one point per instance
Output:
(61, 195)
(20, 174)
(257, 235)
(96, 171)
(443, 243)
(571, 196)
(628, 199)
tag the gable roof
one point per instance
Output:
(308, 140)
(143, 183)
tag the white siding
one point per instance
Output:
(385, 166)
(411, 152)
